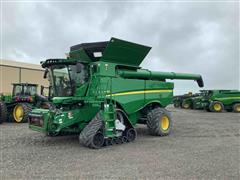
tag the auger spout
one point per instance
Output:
(162, 76)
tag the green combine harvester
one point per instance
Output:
(101, 93)
(178, 100)
(218, 101)
(17, 106)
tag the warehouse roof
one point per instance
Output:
(24, 65)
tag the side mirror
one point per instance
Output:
(42, 89)
(79, 67)
(45, 74)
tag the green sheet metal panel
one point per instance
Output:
(124, 52)
(79, 54)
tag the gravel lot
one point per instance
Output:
(202, 146)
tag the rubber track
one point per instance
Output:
(87, 134)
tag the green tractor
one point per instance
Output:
(219, 100)
(196, 101)
(101, 93)
(17, 106)
(190, 102)
(181, 101)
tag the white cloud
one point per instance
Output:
(186, 37)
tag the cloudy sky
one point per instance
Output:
(185, 36)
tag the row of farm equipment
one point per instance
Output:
(101, 93)
(210, 100)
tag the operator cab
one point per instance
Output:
(66, 77)
(24, 89)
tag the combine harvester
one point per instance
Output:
(211, 100)
(101, 93)
(218, 101)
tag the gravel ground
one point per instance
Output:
(202, 146)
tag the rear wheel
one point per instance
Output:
(21, 112)
(3, 112)
(236, 108)
(159, 122)
(216, 106)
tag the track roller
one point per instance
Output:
(131, 134)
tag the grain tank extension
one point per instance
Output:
(101, 93)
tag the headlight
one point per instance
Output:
(36, 120)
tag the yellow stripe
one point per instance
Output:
(140, 92)
(229, 98)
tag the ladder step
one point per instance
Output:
(110, 120)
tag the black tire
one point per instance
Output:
(216, 106)
(156, 122)
(131, 134)
(26, 110)
(176, 104)
(3, 112)
(236, 108)
(92, 132)
(186, 105)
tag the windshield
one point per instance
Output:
(24, 89)
(78, 78)
(30, 90)
(64, 79)
(17, 90)
(60, 81)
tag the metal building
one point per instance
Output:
(16, 72)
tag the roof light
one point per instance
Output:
(97, 54)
